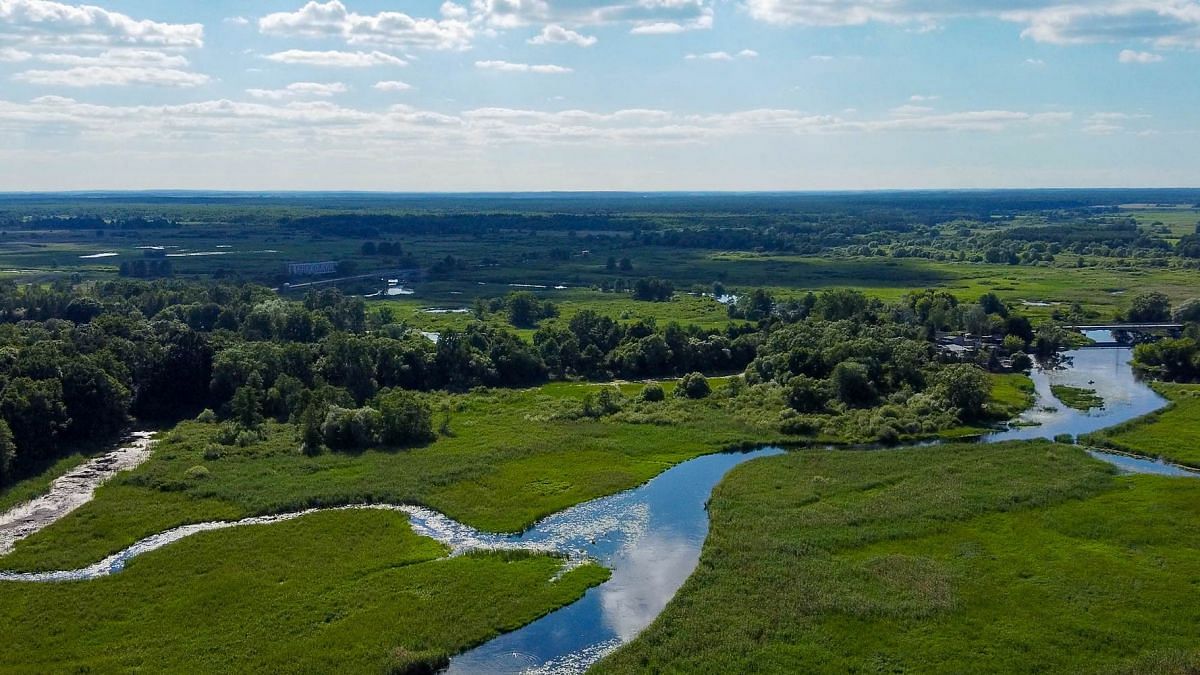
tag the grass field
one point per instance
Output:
(334, 591)
(1172, 433)
(1026, 557)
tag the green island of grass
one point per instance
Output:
(1024, 556)
(1077, 397)
(1171, 433)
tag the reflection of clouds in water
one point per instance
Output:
(575, 663)
(653, 569)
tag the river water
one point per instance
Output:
(651, 536)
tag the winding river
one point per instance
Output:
(651, 536)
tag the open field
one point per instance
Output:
(1172, 434)
(346, 591)
(1023, 556)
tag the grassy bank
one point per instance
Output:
(1024, 556)
(1172, 433)
(1011, 395)
(511, 458)
(336, 591)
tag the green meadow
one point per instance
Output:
(1020, 557)
(335, 591)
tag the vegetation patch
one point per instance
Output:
(1077, 397)
(330, 592)
(925, 560)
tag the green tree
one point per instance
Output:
(851, 382)
(405, 419)
(806, 394)
(1150, 307)
(964, 388)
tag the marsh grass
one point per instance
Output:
(1021, 556)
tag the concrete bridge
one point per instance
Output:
(1145, 332)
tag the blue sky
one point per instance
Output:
(598, 94)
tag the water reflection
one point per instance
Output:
(1107, 371)
(649, 537)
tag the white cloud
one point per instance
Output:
(555, 34)
(1164, 23)
(453, 10)
(389, 29)
(722, 56)
(1036, 63)
(352, 130)
(509, 67)
(702, 22)
(1131, 56)
(108, 68)
(921, 98)
(236, 20)
(11, 55)
(392, 85)
(44, 22)
(336, 59)
(112, 76)
(147, 58)
(300, 90)
(1109, 123)
(645, 17)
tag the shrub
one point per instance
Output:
(404, 418)
(351, 428)
(206, 416)
(653, 392)
(197, 472)
(692, 385)
(212, 451)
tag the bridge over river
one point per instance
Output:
(1136, 332)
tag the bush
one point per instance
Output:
(206, 416)
(692, 385)
(351, 428)
(197, 472)
(404, 418)
(653, 392)
(212, 451)
(1021, 362)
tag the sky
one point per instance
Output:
(501, 95)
